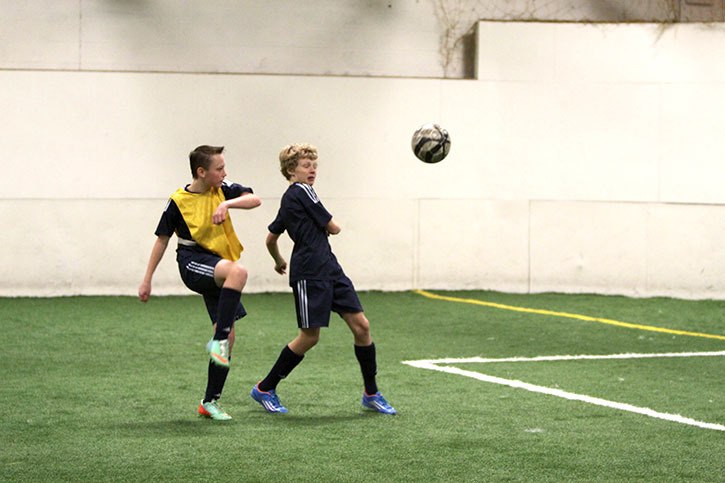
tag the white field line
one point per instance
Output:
(433, 365)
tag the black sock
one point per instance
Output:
(216, 377)
(286, 362)
(226, 310)
(368, 365)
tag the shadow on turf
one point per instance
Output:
(197, 425)
(318, 420)
(178, 427)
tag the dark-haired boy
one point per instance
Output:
(207, 251)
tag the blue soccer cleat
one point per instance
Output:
(268, 400)
(377, 402)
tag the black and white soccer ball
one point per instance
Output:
(431, 143)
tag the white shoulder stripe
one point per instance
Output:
(310, 192)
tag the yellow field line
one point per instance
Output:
(567, 315)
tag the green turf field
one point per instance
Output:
(106, 389)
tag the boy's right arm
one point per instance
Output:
(280, 264)
(157, 252)
(332, 227)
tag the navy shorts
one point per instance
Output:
(197, 272)
(316, 299)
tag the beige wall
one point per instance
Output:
(399, 38)
(340, 37)
(571, 170)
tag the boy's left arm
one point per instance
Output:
(246, 201)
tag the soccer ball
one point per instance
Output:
(431, 143)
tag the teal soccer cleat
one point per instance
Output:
(219, 352)
(212, 410)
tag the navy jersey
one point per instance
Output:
(173, 220)
(303, 216)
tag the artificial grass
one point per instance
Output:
(106, 388)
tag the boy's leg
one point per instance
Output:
(220, 282)
(232, 278)
(209, 407)
(226, 310)
(312, 304)
(217, 375)
(264, 392)
(368, 366)
(286, 362)
(366, 357)
(198, 271)
(364, 348)
(289, 358)
(347, 304)
(216, 378)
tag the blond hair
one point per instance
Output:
(290, 155)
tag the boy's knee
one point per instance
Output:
(359, 326)
(362, 333)
(304, 341)
(238, 276)
(312, 339)
(241, 271)
(359, 323)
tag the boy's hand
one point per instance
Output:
(220, 214)
(144, 291)
(280, 267)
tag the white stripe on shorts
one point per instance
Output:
(302, 300)
(200, 268)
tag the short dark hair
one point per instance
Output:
(201, 157)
